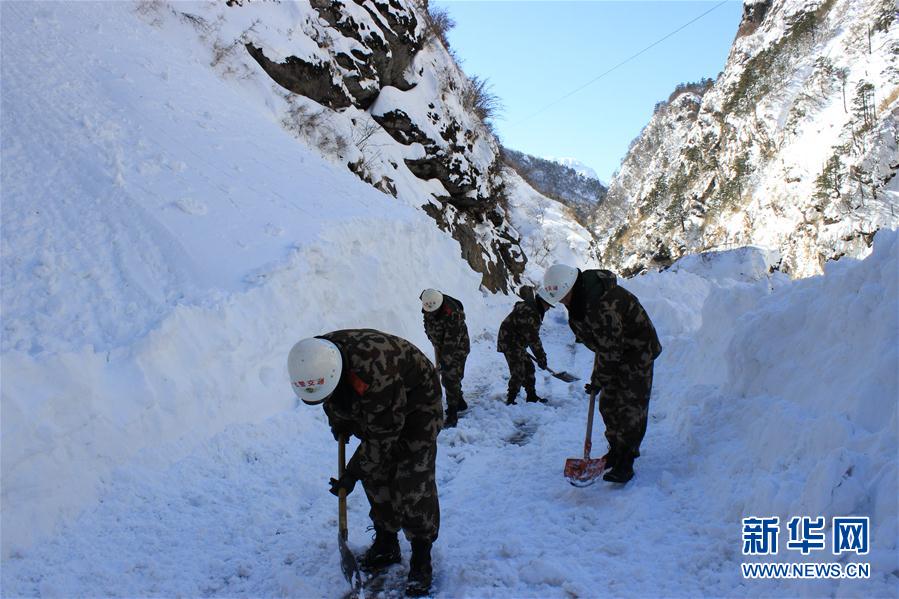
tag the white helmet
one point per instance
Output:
(557, 282)
(314, 366)
(431, 299)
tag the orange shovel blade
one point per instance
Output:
(581, 472)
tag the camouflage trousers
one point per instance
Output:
(624, 406)
(521, 372)
(403, 494)
(452, 370)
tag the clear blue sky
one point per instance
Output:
(536, 52)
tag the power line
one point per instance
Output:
(622, 63)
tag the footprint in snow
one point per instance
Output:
(524, 430)
(191, 206)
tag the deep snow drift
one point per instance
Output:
(158, 262)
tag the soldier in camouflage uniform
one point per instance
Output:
(610, 321)
(444, 321)
(520, 330)
(388, 395)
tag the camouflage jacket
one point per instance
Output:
(446, 329)
(609, 320)
(381, 373)
(521, 329)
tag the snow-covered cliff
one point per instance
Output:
(370, 84)
(793, 147)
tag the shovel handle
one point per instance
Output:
(341, 494)
(588, 443)
(547, 369)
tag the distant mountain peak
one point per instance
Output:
(577, 166)
(563, 179)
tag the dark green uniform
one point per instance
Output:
(446, 329)
(389, 397)
(609, 320)
(519, 331)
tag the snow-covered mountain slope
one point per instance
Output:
(548, 234)
(557, 180)
(794, 147)
(370, 84)
(772, 398)
(173, 220)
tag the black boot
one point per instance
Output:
(510, 398)
(611, 459)
(622, 471)
(463, 405)
(532, 397)
(418, 584)
(385, 551)
(451, 419)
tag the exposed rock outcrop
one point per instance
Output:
(313, 80)
(382, 58)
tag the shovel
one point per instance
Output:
(347, 559)
(583, 473)
(562, 376)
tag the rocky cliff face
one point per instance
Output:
(371, 85)
(793, 147)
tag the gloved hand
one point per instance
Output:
(347, 482)
(591, 388)
(541, 362)
(342, 428)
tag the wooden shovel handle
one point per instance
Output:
(341, 494)
(588, 443)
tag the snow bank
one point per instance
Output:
(70, 417)
(696, 304)
(741, 264)
(823, 354)
(788, 390)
